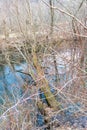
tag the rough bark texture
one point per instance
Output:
(43, 83)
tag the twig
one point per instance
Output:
(64, 12)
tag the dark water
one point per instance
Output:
(11, 82)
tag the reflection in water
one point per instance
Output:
(11, 82)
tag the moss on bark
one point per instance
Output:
(43, 82)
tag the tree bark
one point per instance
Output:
(44, 87)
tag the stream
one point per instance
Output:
(11, 83)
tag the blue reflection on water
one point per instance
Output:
(11, 82)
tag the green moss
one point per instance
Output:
(50, 97)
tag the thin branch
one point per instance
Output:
(64, 12)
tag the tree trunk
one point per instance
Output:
(44, 87)
(51, 16)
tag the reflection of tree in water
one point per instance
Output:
(4, 83)
(11, 81)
